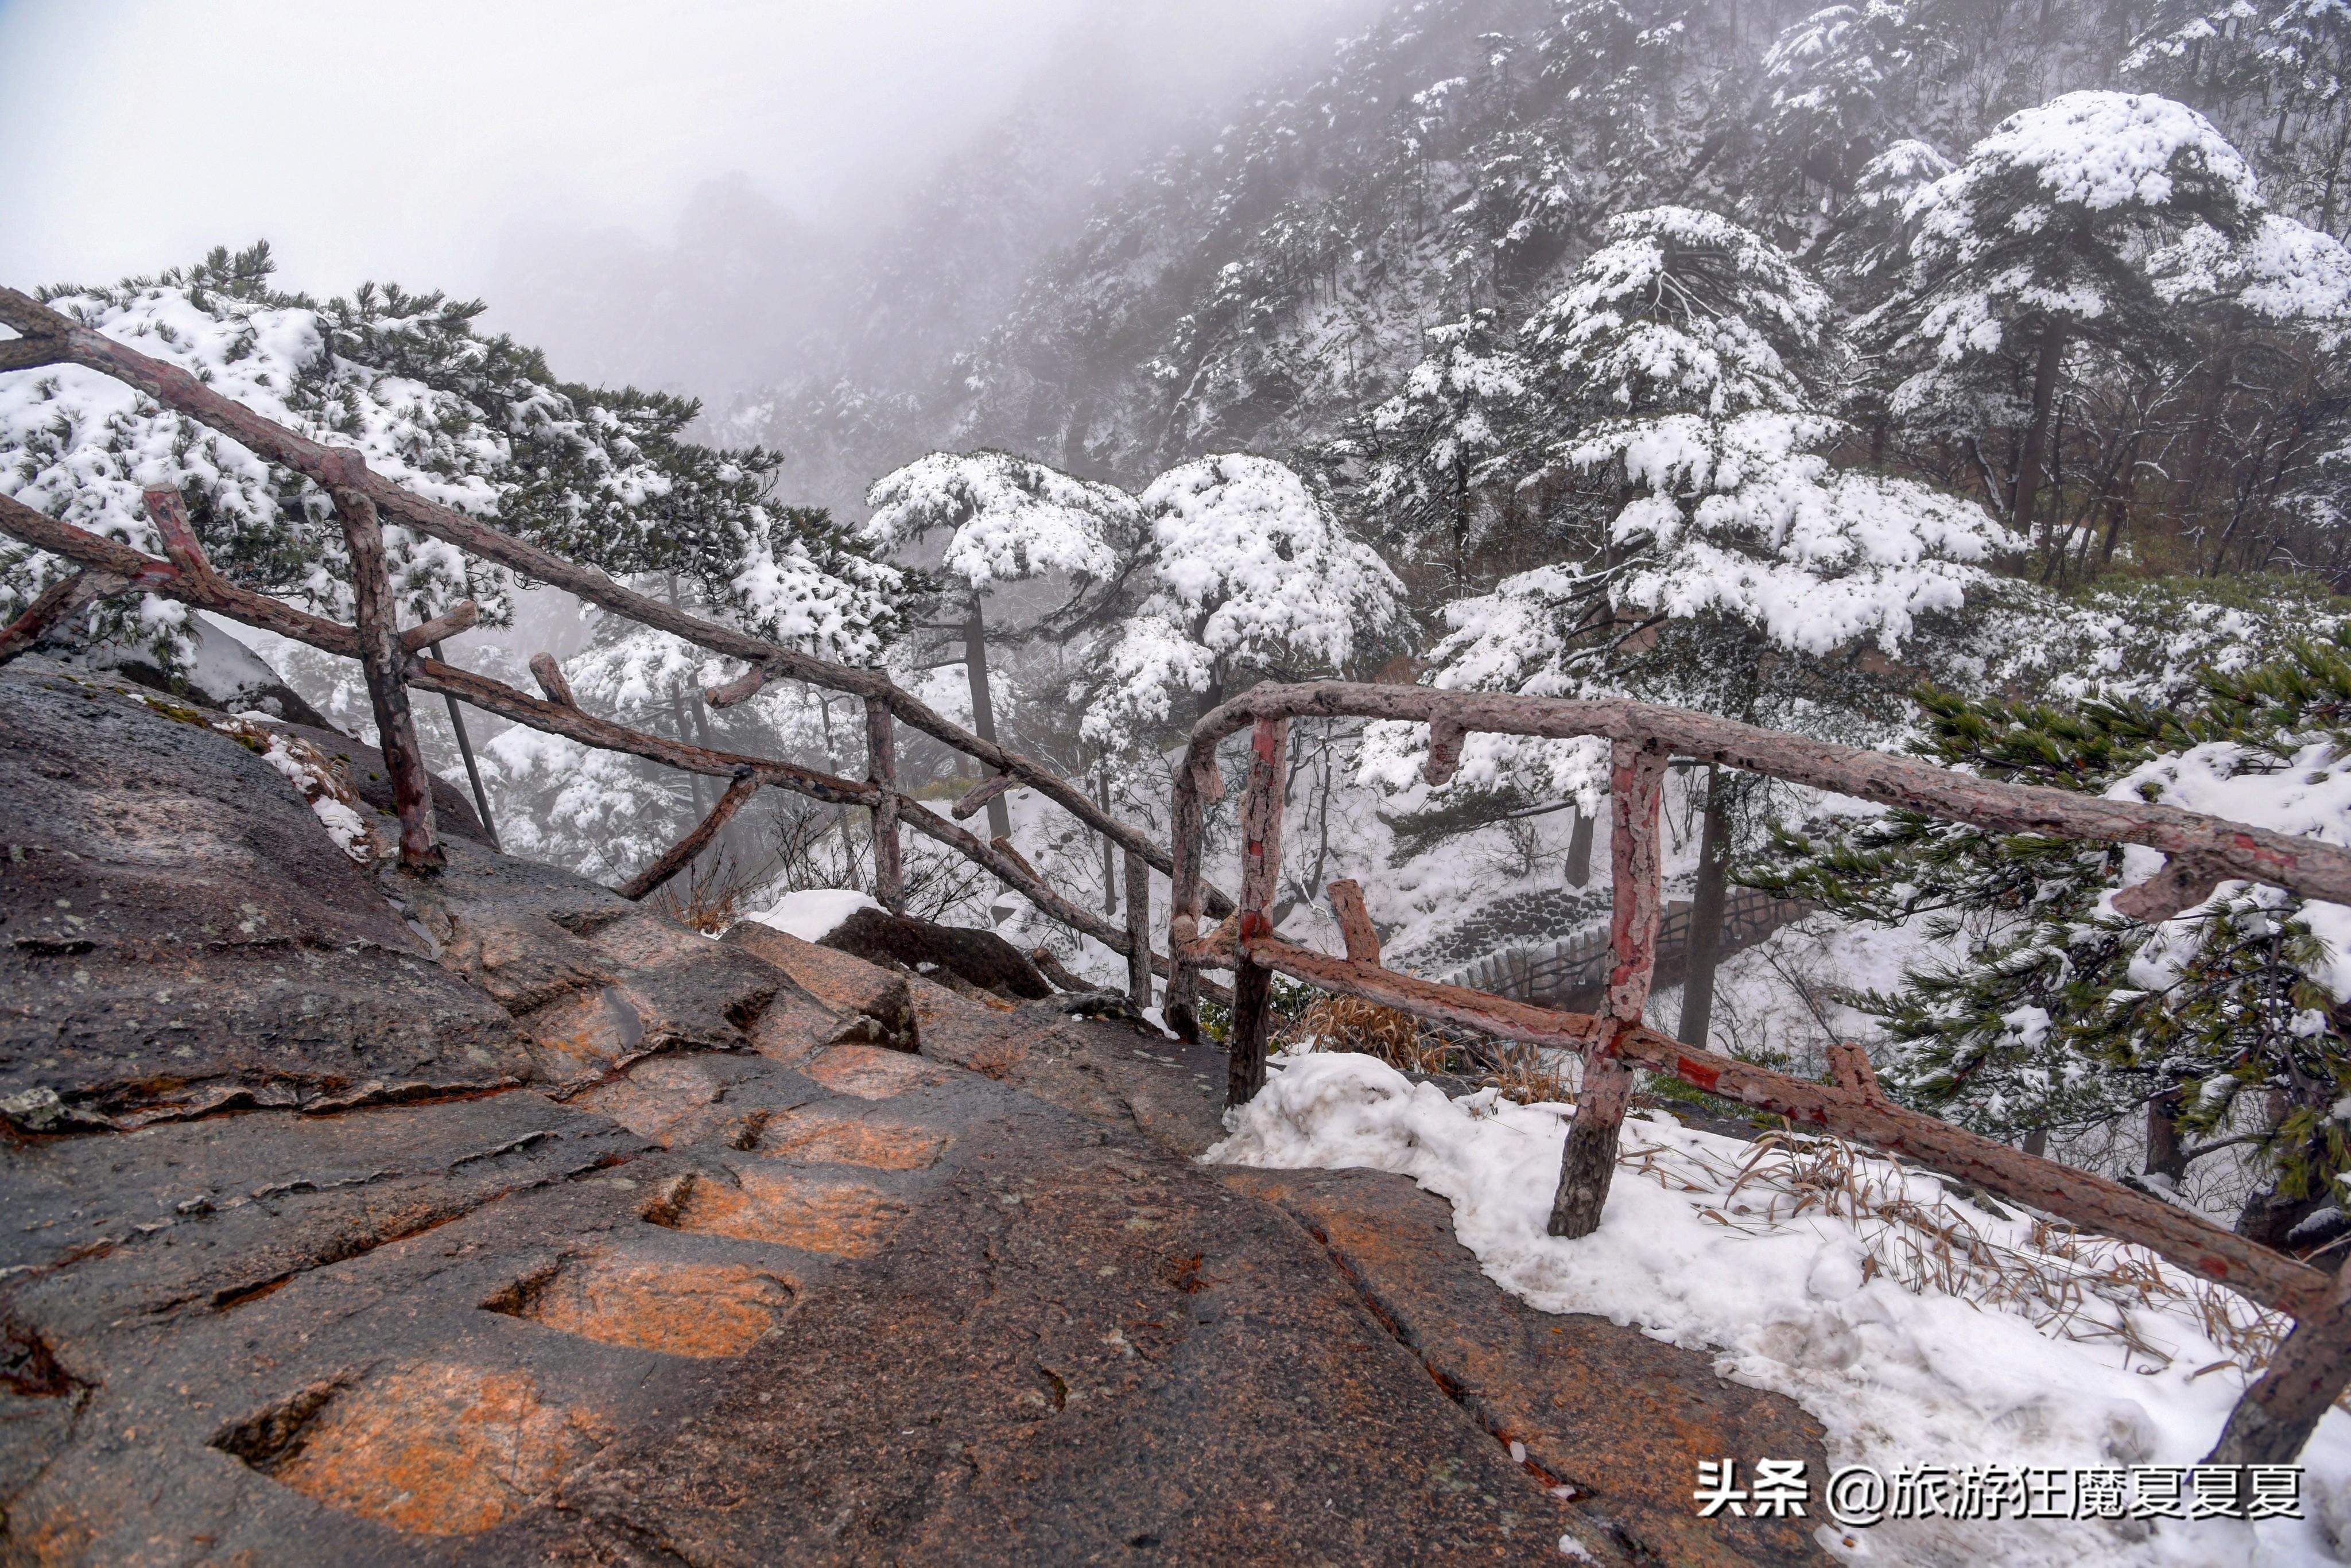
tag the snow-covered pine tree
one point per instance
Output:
(1442, 454)
(996, 519)
(1838, 80)
(2053, 1014)
(1245, 574)
(478, 424)
(2036, 248)
(2274, 71)
(1729, 565)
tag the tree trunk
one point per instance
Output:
(2167, 1156)
(983, 708)
(2120, 518)
(1110, 849)
(677, 722)
(1579, 851)
(1461, 527)
(1706, 913)
(2209, 410)
(2029, 462)
(466, 750)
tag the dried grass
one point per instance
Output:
(2067, 1283)
(1524, 1073)
(1352, 1024)
(702, 897)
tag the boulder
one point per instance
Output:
(179, 933)
(979, 959)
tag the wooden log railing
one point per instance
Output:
(197, 584)
(2312, 1367)
(51, 338)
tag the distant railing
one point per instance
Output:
(394, 658)
(2311, 1367)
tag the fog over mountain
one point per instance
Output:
(668, 202)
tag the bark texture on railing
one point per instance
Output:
(208, 591)
(1138, 929)
(682, 854)
(881, 772)
(2235, 850)
(1260, 877)
(59, 338)
(56, 604)
(2311, 1368)
(1635, 793)
(381, 658)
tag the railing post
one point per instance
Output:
(1138, 929)
(682, 854)
(1261, 873)
(1636, 779)
(2306, 1373)
(1186, 815)
(1355, 927)
(882, 768)
(384, 660)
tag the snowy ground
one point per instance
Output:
(814, 913)
(1820, 1275)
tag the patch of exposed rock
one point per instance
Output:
(492, 1218)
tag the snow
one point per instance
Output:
(1245, 540)
(1761, 1254)
(2056, 213)
(1817, 558)
(814, 913)
(1682, 308)
(1245, 565)
(345, 817)
(2282, 271)
(2095, 151)
(1007, 517)
(1895, 173)
(2308, 796)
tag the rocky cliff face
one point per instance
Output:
(353, 1218)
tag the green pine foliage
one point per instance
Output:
(477, 423)
(2052, 1012)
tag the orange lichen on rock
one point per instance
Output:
(843, 1219)
(870, 1072)
(706, 1309)
(669, 1099)
(439, 1449)
(586, 1033)
(824, 1135)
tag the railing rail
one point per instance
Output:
(393, 659)
(2311, 1368)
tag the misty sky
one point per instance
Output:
(470, 144)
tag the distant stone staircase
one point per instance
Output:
(1571, 972)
